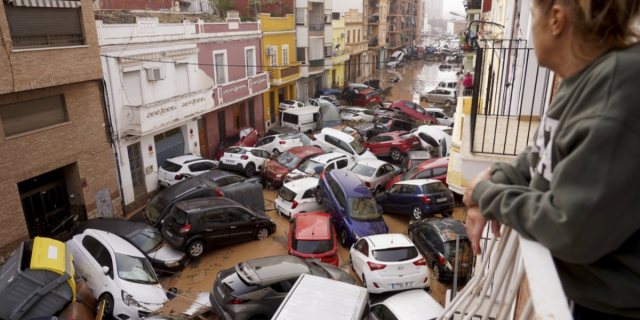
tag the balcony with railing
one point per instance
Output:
(341, 55)
(284, 74)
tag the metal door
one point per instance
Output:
(202, 135)
(137, 173)
(169, 144)
(103, 202)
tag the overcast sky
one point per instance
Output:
(452, 5)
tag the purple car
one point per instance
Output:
(351, 205)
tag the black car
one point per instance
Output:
(197, 225)
(390, 113)
(364, 129)
(147, 239)
(386, 124)
(351, 90)
(213, 183)
(413, 158)
(436, 240)
(281, 130)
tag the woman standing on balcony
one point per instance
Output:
(576, 190)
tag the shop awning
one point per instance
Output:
(45, 3)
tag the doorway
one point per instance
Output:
(202, 135)
(137, 172)
(238, 116)
(333, 77)
(272, 107)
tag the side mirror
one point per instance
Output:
(254, 218)
(105, 269)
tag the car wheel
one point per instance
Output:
(396, 154)
(195, 249)
(262, 234)
(447, 103)
(436, 272)
(343, 238)
(250, 170)
(317, 193)
(417, 213)
(424, 99)
(448, 214)
(108, 305)
(276, 152)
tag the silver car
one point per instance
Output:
(255, 289)
(441, 95)
(375, 173)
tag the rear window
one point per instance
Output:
(287, 136)
(288, 102)
(384, 120)
(464, 247)
(236, 150)
(170, 166)
(311, 246)
(434, 187)
(395, 254)
(234, 285)
(178, 215)
(287, 194)
(363, 170)
(372, 94)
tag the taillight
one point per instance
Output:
(237, 300)
(425, 199)
(376, 266)
(179, 177)
(283, 142)
(219, 193)
(389, 123)
(295, 204)
(425, 280)
(322, 176)
(376, 285)
(314, 138)
(291, 107)
(420, 262)
(298, 128)
(376, 113)
(409, 164)
(441, 258)
(355, 115)
(185, 229)
(245, 157)
(368, 184)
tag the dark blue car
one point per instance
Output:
(417, 198)
(327, 92)
(351, 205)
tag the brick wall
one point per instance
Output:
(129, 16)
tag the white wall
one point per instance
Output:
(343, 6)
(302, 36)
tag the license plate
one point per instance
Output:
(400, 285)
(229, 161)
(442, 200)
(313, 259)
(169, 233)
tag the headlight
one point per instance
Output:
(172, 263)
(355, 235)
(279, 175)
(129, 300)
(271, 220)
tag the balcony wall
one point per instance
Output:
(280, 75)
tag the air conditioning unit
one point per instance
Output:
(342, 35)
(154, 74)
(271, 51)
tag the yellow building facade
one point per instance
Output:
(279, 60)
(340, 53)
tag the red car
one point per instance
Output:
(365, 97)
(275, 170)
(414, 111)
(435, 169)
(247, 137)
(393, 144)
(313, 237)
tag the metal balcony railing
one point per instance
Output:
(374, 43)
(316, 63)
(316, 26)
(47, 40)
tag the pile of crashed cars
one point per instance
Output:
(339, 162)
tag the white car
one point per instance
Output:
(356, 114)
(279, 143)
(408, 305)
(297, 196)
(375, 173)
(444, 117)
(320, 102)
(389, 262)
(445, 129)
(290, 104)
(174, 170)
(244, 159)
(432, 136)
(332, 140)
(330, 99)
(322, 162)
(117, 273)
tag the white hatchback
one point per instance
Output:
(357, 114)
(174, 170)
(408, 305)
(290, 104)
(332, 140)
(389, 262)
(244, 159)
(322, 162)
(117, 273)
(297, 196)
(279, 143)
(375, 174)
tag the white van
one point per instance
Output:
(307, 119)
(313, 297)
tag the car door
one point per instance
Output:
(375, 144)
(440, 174)
(98, 257)
(331, 143)
(265, 143)
(341, 163)
(390, 202)
(360, 256)
(359, 100)
(216, 228)
(345, 148)
(378, 177)
(338, 203)
(427, 237)
(388, 174)
(241, 224)
(406, 198)
(308, 202)
(425, 174)
(258, 158)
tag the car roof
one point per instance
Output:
(366, 91)
(434, 109)
(350, 183)
(185, 159)
(413, 305)
(167, 195)
(246, 148)
(196, 205)
(326, 157)
(448, 228)
(394, 133)
(357, 108)
(268, 270)
(281, 129)
(217, 173)
(372, 162)
(419, 154)
(305, 110)
(117, 244)
(389, 240)
(339, 134)
(418, 182)
(304, 183)
(433, 163)
(123, 228)
(305, 151)
(313, 226)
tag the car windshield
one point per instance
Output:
(236, 150)
(178, 215)
(464, 247)
(364, 209)
(135, 269)
(305, 140)
(148, 239)
(363, 170)
(395, 254)
(155, 209)
(448, 113)
(310, 164)
(329, 113)
(409, 174)
(229, 141)
(434, 187)
(288, 160)
(357, 147)
(393, 58)
(286, 194)
(287, 136)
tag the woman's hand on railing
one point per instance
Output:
(475, 222)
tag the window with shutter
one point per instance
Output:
(285, 55)
(44, 26)
(182, 78)
(32, 115)
(132, 88)
(220, 67)
(274, 59)
(250, 62)
(301, 55)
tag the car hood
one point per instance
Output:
(166, 253)
(367, 155)
(276, 168)
(364, 229)
(337, 273)
(151, 297)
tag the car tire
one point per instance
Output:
(262, 233)
(195, 249)
(423, 99)
(317, 193)
(343, 238)
(448, 103)
(275, 152)
(250, 170)
(396, 154)
(436, 272)
(448, 214)
(108, 305)
(416, 213)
